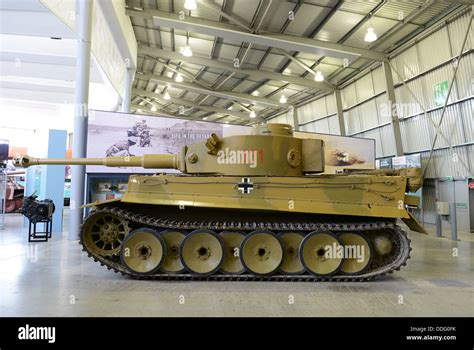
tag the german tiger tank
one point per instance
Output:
(250, 207)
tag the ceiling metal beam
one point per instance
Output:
(169, 115)
(228, 95)
(186, 103)
(326, 19)
(136, 107)
(278, 40)
(258, 74)
(218, 10)
(406, 20)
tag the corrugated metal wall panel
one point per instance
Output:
(388, 146)
(382, 109)
(467, 111)
(429, 202)
(352, 121)
(406, 102)
(331, 104)
(280, 119)
(322, 126)
(464, 77)
(470, 156)
(364, 87)
(319, 108)
(379, 80)
(434, 77)
(444, 165)
(407, 64)
(434, 49)
(334, 125)
(375, 134)
(452, 126)
(416, 133)
(430, 173)
(349, 96)
(308, 127)
(457, 31)
(305, 113)
(368, 114)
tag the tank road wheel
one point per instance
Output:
(261, 252)
(143, 251)
(319, 253)
(291, 242)
(357, 253)
(102, 233)
(232, 242)
(172, 262)
(202, 252)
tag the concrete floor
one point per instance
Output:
(57, 279)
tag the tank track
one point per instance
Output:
(379, 267)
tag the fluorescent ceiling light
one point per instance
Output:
(167, 96)
(187, 52)
(370, 36)
(283, 99)
(253, 115)
(190, 5)
(319, 76)
(178, 78)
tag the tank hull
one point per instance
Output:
(355, 195)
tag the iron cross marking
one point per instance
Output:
(245, 186)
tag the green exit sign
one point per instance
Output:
(440, 92)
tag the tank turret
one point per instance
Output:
(270, 150)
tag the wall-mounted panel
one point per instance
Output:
(352, 121)
(368, 114)
(334, 125)
(434, 49)
(349, 96)
(364, 87)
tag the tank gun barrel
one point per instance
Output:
(156, 161)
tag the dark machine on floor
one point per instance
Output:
(38, 212)
(250, 207)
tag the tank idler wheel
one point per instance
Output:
(291, 242)
(262, 252)
(143, 251)
(102, 233)
(320, 253)
(232, 242)
(357, 253)
(202, 252)
(173, 240)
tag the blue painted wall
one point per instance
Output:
(50, 183)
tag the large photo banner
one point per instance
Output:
(343, 152)
(112, 134)
(119, 134)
